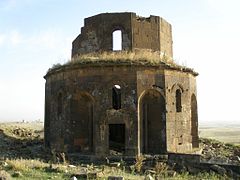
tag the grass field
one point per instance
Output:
(22, 156)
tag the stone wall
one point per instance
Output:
(148, 112)
(153, 33)
(96, 83)
(179, 138)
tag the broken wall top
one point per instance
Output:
(152, 33)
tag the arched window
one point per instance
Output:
(178, 101)
(117, 40)
(60, 104)
(116, 97)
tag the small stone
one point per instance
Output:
(236, 158)
(92, 175)
(218, 169)
(71, 166)
(80, 176)
(73, 178)
(115, 164)
(171, 173)
(148, 177)
(149, 171)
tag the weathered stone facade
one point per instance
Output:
(129, 108)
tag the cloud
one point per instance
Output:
(223, 6)
(2, 39)
(15, 38)
(8, 4)
(49, 42)
(50, 39)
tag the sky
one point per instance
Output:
(35, 34)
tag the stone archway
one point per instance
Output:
(82, 122)
(194, 122)
(152, 122)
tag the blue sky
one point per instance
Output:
(35, 34)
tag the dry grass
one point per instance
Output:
(138, 57)
(142, 57)
(25, 164)
(139, 163)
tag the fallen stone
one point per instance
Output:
(193, 170)
(4, 175)
(218, 169)
(115, 178)
(17, 174)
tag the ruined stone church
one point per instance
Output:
(94, 107)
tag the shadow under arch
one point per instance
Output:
(194, 122)
(152, 122)
(81, 109)
(177, 86)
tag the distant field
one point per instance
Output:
(225, 133)
(228, 133)
(31, 125)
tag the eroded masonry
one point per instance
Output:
(99, 107)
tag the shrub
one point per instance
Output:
(161, 168)
(139, 163)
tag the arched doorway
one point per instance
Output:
(153, 123)
(194, 122)
(82, 122)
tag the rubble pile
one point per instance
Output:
(215, 150)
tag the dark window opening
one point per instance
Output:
(117, 137)
(178, 101)
(117, 40)
(116, 97)
(60, 104)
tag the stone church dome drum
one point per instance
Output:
(130, 101)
